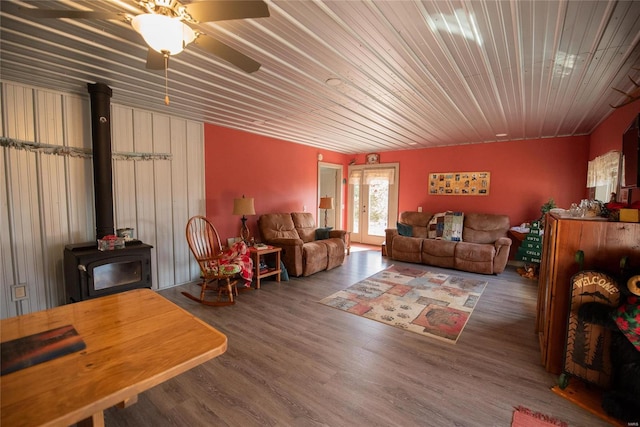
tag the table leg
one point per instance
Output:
(278, 265)
(256, 264)
(128, 402)
(96, 420)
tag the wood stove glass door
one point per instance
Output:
(118, 273)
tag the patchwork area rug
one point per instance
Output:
(524, 417)
(431, 304)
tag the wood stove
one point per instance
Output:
(89, 272)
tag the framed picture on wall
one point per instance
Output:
(459, 183)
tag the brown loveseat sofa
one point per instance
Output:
(484, 247)
(303, 252)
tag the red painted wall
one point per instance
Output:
(608, 135)
(281, 176)
(524, 175)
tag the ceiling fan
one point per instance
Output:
(169, 26)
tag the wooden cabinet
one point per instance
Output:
(603, 243)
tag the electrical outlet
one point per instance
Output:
(419, 208)
(19, 292)
(304, 208)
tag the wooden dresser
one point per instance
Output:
(604, 244)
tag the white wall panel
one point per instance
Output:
(164, 210)
(7, 308)
(195, 180)
(80, 201)
(52, 192)
(48, 201)
(179, 188)
(22, 209)
(124, 193)
(145, 229)
(27, 240)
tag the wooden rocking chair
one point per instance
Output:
(217, 275)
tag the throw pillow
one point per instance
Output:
(453, 225)
(404, 229)
(436, 226)
(446, 226)
(322, 233)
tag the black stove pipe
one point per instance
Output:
(100, 95)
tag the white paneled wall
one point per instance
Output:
(46, 199)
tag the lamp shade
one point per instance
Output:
(243, 206)
(163, 33)
(326, 203)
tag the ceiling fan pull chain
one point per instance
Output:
(166, 79)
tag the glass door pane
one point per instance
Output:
(373, 202)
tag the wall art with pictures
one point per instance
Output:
(459, 183)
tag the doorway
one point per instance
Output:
(329, 185)
(373, 201)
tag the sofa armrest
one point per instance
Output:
(503, 241)
(503, 244)
(338, 233)
(390, 234)
(291, 254)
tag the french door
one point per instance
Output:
(373, 201)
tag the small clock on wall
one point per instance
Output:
(372, 158)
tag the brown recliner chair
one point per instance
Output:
(303, 251)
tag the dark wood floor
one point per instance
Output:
(294, 362)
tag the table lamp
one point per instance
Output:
(326, 203)
(244, 206)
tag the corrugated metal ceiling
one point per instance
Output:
(414, 74)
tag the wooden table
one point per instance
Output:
(517, 238)
(134, 341)
(256, 253)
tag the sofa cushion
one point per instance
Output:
(404, 229)
(418, 221)
(440, 253)
(335, 252)
(484, 228)
(277, 226)
(407, 248)
(315, 257)
(305, 225)
(474, 257)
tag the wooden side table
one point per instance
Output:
(347, 241)
(256, 253)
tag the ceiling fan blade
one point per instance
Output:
(72, 14)
(155, 60)
(223, 10)
(227, 53)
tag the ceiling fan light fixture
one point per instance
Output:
(163, 33)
